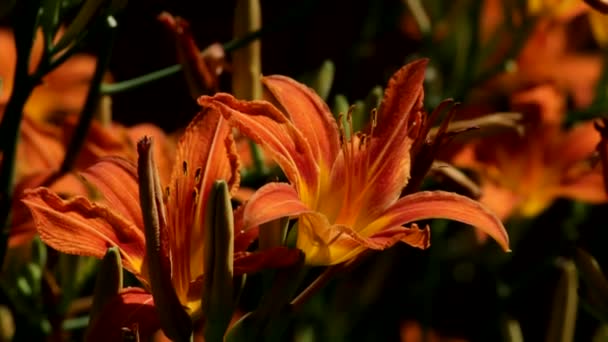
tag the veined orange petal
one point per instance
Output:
(116, 180)
(205, 153)
(309, 114)
(131, 308)
(23, 229)
(403, 93)
(77, 226)
(269, 127)
(389, 155)
(272, 201)
(445, 205)
(381, 161)
(39, 148)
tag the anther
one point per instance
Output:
(197, 175)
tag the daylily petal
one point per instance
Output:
(64, 90)
(267, 126)
(403, 93)
(326, 244)
(242, 238)
(205, 153)
(587, 187)
(445, 205)
(164, 148)
(381, 161)
(39, 147)
(116, 180)
(198, 68)
(578, 144)
(22, 226)
(132, 308)
(77, 226)
(415, 237)
(272, 201)
(100, 141)
(309, 114)
(500, 201)
(546, 101)
(389, 167)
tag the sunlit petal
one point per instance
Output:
(309, 114)
(271, 202)
(445, 205)
(77, 226)
(205, 153)
(116, 180)
(270, 128)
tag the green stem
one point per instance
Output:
(136, 82)
(11, 122)
(88, 111)
(10, 134)
(291, 18)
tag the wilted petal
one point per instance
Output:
(77, 226)
(200, 71)
(132, 308)
(441, 205)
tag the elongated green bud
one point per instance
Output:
(218, 287)
(174, 320)
(108, 282)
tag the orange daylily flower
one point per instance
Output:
(550, 42)
(568, 9)
(523, 175)
(345, 193)
(42, 147)
(205, 153)
(62, 91)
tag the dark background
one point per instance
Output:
(362, 38)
